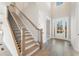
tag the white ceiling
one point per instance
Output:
(44, 7)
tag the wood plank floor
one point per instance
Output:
(43, 52)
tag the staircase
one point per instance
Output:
(26, 44)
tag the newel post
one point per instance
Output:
(22, 41)
(41, 38)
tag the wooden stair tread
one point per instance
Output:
(14, 25)
(28, 40)
(31, 49)
(27, 34)
(15, 28)
(28, 44)
(42, 52)
(17, 31)
(18, 35)
(29, 37)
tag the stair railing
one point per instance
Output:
(22, 42)
(21, 31)
(12, 10)
(40, 36)
(9, 18)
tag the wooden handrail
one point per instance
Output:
(26, 17)
(12, 34)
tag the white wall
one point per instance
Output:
(75, 26)
(7, 36)
(8, 39)
(61, 10)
